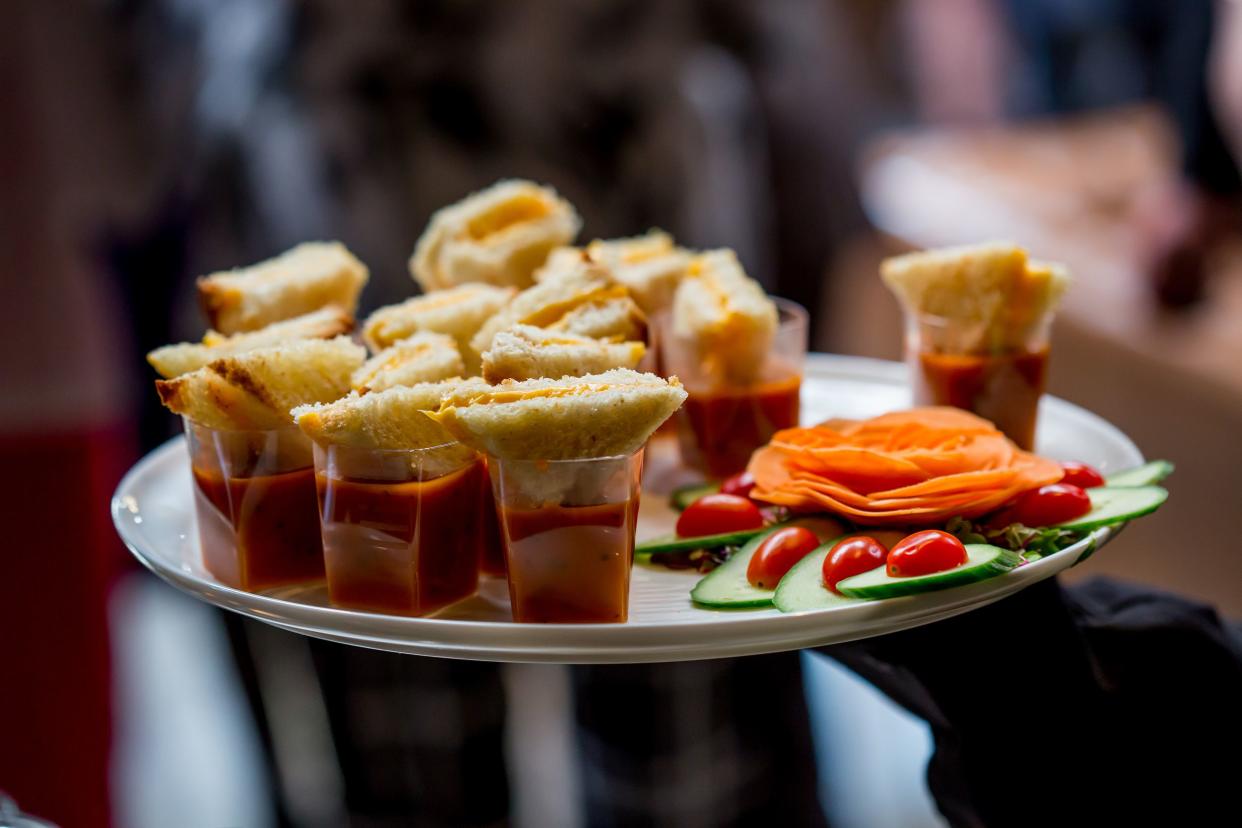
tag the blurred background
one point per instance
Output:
(145, 142)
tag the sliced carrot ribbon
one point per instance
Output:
(924, 465)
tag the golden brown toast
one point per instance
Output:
(458, 312)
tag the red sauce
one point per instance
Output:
(1004, 388)
(492, 550)
(259, 532)
(571, 564)
(404, 548)
(720, 429)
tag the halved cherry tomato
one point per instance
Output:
(1054, 503)
(924, 553)
(777, 554)
(739, 484)
(1081, 475)
(716, 513)
(852, 556)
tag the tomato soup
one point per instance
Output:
(1003, 388)
(570, 564)
(259, 532)
(719, 429)
(492, 550)
(408, 548)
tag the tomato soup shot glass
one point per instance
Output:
(951, 363)
(254, 496)
(722, 423)
(568, 531)
(403, 529)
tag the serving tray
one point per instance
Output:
(154, 513)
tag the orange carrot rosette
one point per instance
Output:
(921, 466)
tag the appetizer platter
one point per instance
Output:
(614, 452)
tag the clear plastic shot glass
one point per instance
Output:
(722, 423)
(568, 531)
(258, 516)
(404, 530)
(955, 363)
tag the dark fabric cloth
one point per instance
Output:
(1104, 703)
(700, 743)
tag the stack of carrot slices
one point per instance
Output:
(917, 467)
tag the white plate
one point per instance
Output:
(154, 513)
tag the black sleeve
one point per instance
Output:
(1099, 704)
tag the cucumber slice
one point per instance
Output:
(982, 562)
(684, 496)
(1148, 474)
(803, 588)
(1116, 505)
(672, 543)
(727, 587)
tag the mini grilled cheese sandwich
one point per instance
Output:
(458, 312)
(991, 296)
(724, 318)
(598, 415)
(304, 279)
(174, 360)
(255, 390)
(525, 352)
(499, 235)
(423, 357)
(650, 266)
(546, 304)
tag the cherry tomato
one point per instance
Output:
(739, 484)
(924, 553)
(1055, 503)
(852, 556)
(1081, 475)
(778, 553)
(715, 513)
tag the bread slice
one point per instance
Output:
(542, 305)
(650, 266)
(174, 360)
(989, 295)
(525, 352)
(723, 319)
(598, 415)
(458, 312)
(499, 235)
(255, 390)
(298, 281)
(423, 357)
